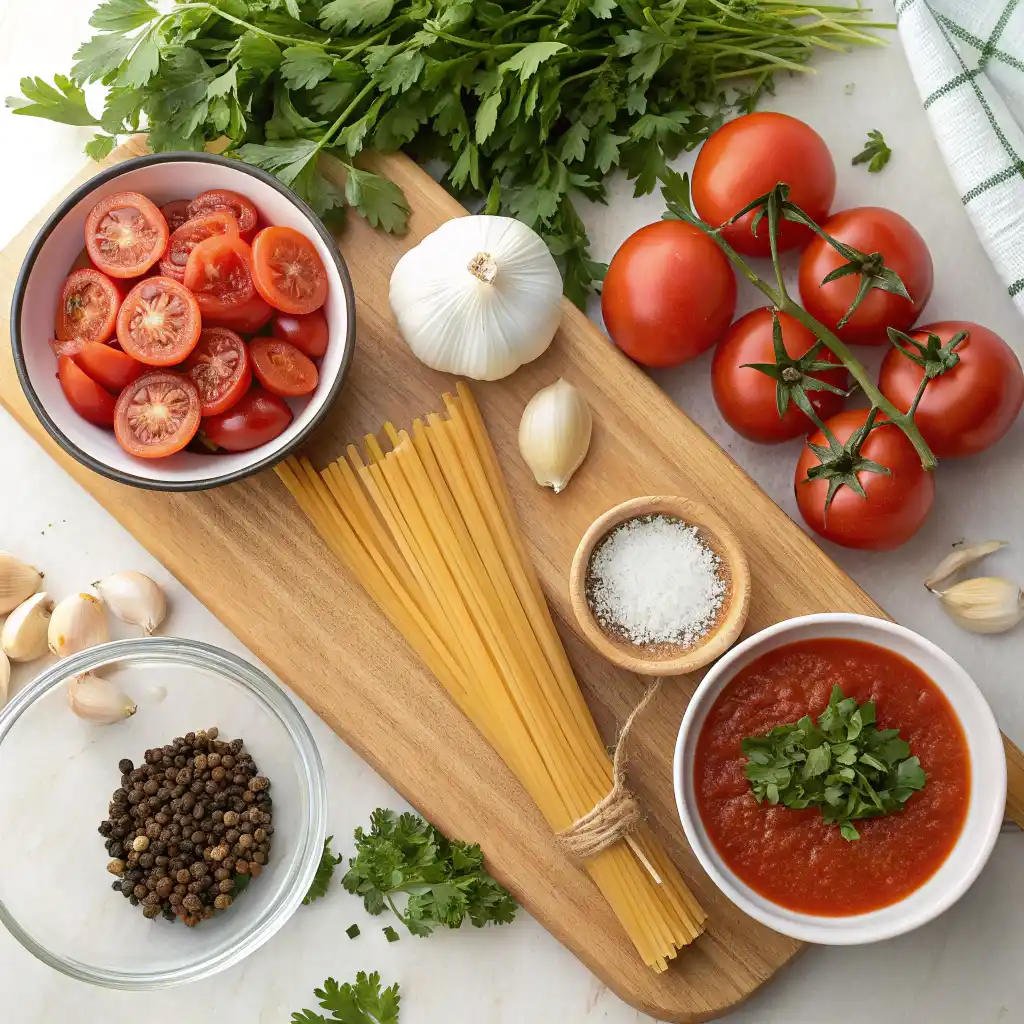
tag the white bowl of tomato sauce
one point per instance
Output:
(913, 843)
(189, 336)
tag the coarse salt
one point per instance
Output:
(653, 580)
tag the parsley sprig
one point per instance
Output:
(843, 764)
(324, 873)
(875, 154)
(363, 1002)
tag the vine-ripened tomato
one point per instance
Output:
(746, 397)
(288, 271)
(84, 395)
(87, 309)
(250, 317)
(175, 213)
(258, 417)
(307, 333)
(125, 234)
(157, 415)
(969, 407)
(748, 157)
(669, 294)
(869, 229)
(281, 368)
(186, 237)
(218, 273)
(896, 505)
(159, 322)
(109, 366)
(220, 368)
(234, 203)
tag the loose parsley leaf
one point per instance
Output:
(324, 873)
(352, 931)
(361, 1003)
(390, 934)
(63, 101)
(100, 146)
(379, 200)
(875, 153)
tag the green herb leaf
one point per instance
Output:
(304, 66)
(530, 57)
(379, 200)
(349, 15)
(100, 56)
(257, 53)
(361, 1003)
(352, 931)
(390, 934)
(122, 15)
(100, 146)
(324, 873)
(285, 158)
(63, 101)
(875, 153)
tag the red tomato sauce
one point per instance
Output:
(792, 857)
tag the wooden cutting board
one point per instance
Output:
(248, 554)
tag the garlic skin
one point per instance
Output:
(77, 623)
(478, 297)
(24, 634)
(98, 700)
(554, 434)
(960, 559)
(984, 604)
(5, 678)
(134, 598)
(18, 582)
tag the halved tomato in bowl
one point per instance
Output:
(157, 415)
(87, 310)
(159, 322)
(125, 234)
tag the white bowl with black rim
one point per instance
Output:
(163, 177)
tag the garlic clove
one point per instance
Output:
(984, 604)
(5, 678)
(959, 559)
(554, 433)
(18, 582)
(98, 700)
(134, 598)
(24, 634)
(77, 622)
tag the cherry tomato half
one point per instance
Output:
(186, 237)
(248, 318)
(84, 395)
(87, 309)
(159, 322)
(224, 199)
(175, 213)
(287, 270)
(157, 415)
(281, 368)
(258, 417)
(220, 368)
(307, 333)
(125, 234)
(108, 366)
(218, 274)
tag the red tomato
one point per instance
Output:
(186, 237)
(87, 309)
(84, 395)
(895, 506)
(281, 368)
(175, 213)
(218, 274)
(748, 157)
(248, 318)
(307, 333)
(108, 366)
(969, 407)
(746, 397)
(125, 234)
(157, 415)
(159, 322)
(287, 270)
(224, 199)
(220, 368)
(869, 229)
(669, 294)
(257, 418)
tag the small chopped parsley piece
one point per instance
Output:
(352, 931)
(390, 934)
(875, 153)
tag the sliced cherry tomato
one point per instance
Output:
(125, 234)
(281, 368)
(248, 318)
(175, 213)
(218, 274)
(287, 270)
(224, 199)
(88, 307)
(307, 333)
(111, 367)
(189, 235)
(220, 368)
(159, 322)
(157, 415)
(258, 417)
(84, 395)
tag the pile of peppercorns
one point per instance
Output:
(187, 826)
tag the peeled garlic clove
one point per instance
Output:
(24, 634)
(554, 433)
(5, 678)
(98, 700)
(134, 598)
(984, 604)
(960, 559)
(18, 582)
(77, 622)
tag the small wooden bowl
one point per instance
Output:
(665, 659)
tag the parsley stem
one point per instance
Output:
(250, 27)
(344, 115)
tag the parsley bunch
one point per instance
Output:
(444, 880)
(527, 103)
(844, 765)
(361, 1003)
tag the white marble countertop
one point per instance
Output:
(962, 969)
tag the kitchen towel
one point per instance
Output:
(967, 57)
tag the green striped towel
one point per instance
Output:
(967, 57)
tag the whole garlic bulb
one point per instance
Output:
(24, 634)
(554, 433)
(77, 622)
(98, 700)
(134, 598)
(478, 297)
(18, 582)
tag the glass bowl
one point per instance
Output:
(57, 773)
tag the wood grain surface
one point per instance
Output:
(249, 555)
